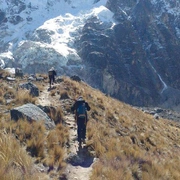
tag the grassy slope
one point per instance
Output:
(128, 143)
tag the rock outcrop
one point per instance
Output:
(32, 113)
(33, 89)
(137, 59)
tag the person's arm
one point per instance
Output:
(88, 107)
(73, 107)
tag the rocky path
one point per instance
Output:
(44, 98)
(79, 161)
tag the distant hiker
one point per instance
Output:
(18, 72)
(51, 74)
(80, 107)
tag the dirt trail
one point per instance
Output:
(43, 99)
(79, 161)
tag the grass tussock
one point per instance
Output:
(46, 149)
(14, 161)
(4, 73)
(23, 97)
(57, 139)
(56, 114)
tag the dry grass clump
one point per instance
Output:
(53, 92)
(47, 148)
(40, 85)
(14, 161)
(56, 114)
(4, 73)
(6, 93)
(56, 139)
(9, 93)
(2, 100)
(71, 87)
(19, 97)
(64, 94)
(23, 96)
(1, 92)
(27, 133)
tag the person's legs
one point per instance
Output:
(79, 133)
(84, 131)
(81, 129)
(50, 81)
(53, 79)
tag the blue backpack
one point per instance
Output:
(81, 110)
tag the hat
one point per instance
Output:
(80, 98)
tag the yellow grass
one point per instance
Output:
(129, 144)
(23, 97)
(14, 161)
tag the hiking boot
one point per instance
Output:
(79, 140)
(84, 141)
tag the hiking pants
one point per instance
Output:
(51, 79)
(81, 128)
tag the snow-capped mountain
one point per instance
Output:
(43, 32)
(128, 49)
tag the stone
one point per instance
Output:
(34, 91)
(76, 78)
(31, 113)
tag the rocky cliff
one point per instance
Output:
(136, 60)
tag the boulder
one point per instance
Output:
(31, 113)
(34, 91)
(39, 79)
(47, 109)
(59, 80)
(76, 78)
(10, 79)
(32, 77)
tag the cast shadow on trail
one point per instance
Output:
(82, 158)
(51, 88)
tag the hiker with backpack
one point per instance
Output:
(80, 107)
(51, 74)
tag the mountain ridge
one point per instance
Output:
(127, 49)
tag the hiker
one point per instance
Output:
(18, 72)
(80, 107)
(51, 74)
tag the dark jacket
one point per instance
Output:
(76, 104)
(52, 73)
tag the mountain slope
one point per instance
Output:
(126, 142)
(127, 49)
(137, 60)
